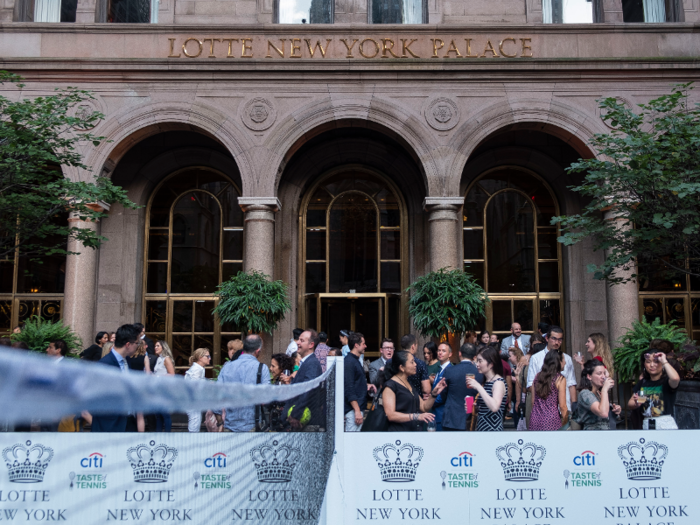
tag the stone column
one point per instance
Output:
(259, 248)
(445, 228)
(623, 305)
(79, 296)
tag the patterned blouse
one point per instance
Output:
(489, 421)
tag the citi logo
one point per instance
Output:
(586, 459)
(465, 459)
(94, 460)
(218, 460)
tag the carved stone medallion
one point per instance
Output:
(442, 114)
(85, 110)
(258, 114)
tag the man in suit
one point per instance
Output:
(386, 351)
(444, 354)
(125, 345)
(517, 339)
(305, 411)
(454, 416)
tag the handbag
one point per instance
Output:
(661, 423)
(376, 420)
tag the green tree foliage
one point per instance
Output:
(251, 302)
(446, 301)
(39, 136)
(648, 179)
(38, 333)
(636, 341)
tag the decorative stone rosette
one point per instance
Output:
(258, 114)
(442, 114)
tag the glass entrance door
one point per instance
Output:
(364, 313)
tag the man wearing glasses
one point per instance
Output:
(386, 353)
(125, 345)
(555, 338)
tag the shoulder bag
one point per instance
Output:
(376, 420)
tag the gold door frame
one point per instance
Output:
(536, 295)
(168, 296)
(403, 228)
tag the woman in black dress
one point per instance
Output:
(404, 408)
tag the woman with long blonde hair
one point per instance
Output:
(164, 366)
(599, 349)
(200, 359)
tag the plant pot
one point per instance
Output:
(687, 409)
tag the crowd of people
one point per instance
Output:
(526, 379)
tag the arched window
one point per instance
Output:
(194, 241)
(354, 256)
(511, 248)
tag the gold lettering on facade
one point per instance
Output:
(522, 41)
(406, 47)
(172, 50)
(389, 49)
(500, 46)
(376, 48)
(245, 47)
(349, 47)
(318, 45)
(230, 46)
(469, 49)
(293, 48)
(211, 46)
(435, 46)
(489, 49)
(279, 51)
(453, 49)
(184, 47)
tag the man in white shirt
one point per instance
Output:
(516, 339)
(386, 352)
(293, 345)
(555, 338)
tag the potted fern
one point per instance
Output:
(38, 332)
(446, 302)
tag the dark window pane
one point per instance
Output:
(129, 11)
(158, 245)
(368, 322)
(182, 349)
(397, 12)
(7, 272)
(353, 244)
(182, 316)
(391, 244)
(547, 243)
(657, 277)
(391, 277)
(231, 270)
(316, 212)
(474, 207)
(653, 308)
(233, 214)
(27, 309)
(233, 245)
(394, 319)
(155, 316)
(204, 341)
(68, 10)
(473, 244)
(675, 310)
(311, 310)
(315, 277)
(549, 277)
(695, 315)
(388, 208)
(632, 11)
(549, 312)
(203, 316)
(477, 270)
(695, 283)
(510, 244)
(523, 314)
(47, 275)
(195, 253)
(316, 245)
(6, 316)
(157, 278)
(500, 311)
(51, 310)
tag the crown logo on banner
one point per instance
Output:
(521, 462)
(643, 460)
(274, 463)
(26, 462)
(398, 463)
(151, 463)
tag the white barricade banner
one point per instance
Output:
(528, 478)
(86, 479)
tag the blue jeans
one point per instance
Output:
(163, 423)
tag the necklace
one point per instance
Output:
(405, 383)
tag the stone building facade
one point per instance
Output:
(345, 158)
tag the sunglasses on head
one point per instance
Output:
(648, 356)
